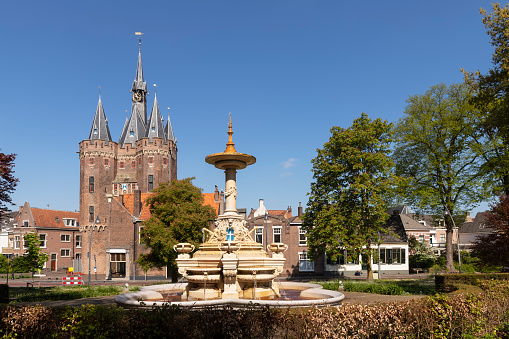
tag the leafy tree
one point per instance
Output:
(352, 173)
(420, 254)
(34, 256)
(437, 151)
(492, 95)
(7, 181)
(177, 215)
(493, 249)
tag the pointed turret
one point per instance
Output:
(100, 130)
(139, 90)
(168, 131)
(139, 83)
(155, 126)
(134, 129)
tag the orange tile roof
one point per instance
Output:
(145, 210)
(208, 199)
(286, 214)
(52, 218)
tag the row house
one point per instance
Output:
(58, 233)
(280, 226)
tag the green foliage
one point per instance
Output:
(7, 180)
(34, 256)
(386, 287)
(492, 96)
(479, 315)
(420, 254)
(438, 152)
(178, 215)
(24, 294)
(352, 175)
(20, 265)
(443, 282)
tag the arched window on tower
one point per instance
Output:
(91, 184)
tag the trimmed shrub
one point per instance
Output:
(445, 282)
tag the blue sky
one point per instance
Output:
(286, 70)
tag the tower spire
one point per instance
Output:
(155, 127)
(100, 130)
(230, 146)
(168, 130)
(139, 87)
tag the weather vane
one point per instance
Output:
(139, 34)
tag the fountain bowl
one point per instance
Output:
(149, 297)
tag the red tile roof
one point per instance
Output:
(145, 210)
(52, 218)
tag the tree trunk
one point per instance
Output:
(449, 262)
(369, 268)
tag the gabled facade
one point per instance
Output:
(58, 233)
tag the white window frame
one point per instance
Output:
(259, 232)
(67, 255)
(442, 238)
(140, 232)
(69, 222)
(276, 230)
(302, 233)
(17, 242)
(422, 238)
(305, 265)
(66, 236)
(79, 240)
(43, 241)
(24, 242)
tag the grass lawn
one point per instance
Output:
(24, 294)
(387, 287)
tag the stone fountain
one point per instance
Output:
(230, 268)
(230, 264)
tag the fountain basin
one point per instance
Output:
(150, 296)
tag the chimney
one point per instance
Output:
(137, 203)
(121, 199)
(216, 195)
(468, 218)
(299, 210)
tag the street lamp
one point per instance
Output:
(96, 221)
(446, 212)
(266, 217)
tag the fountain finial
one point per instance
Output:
(230, 146)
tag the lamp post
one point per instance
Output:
(457, 236)
(96, 221)
(266, 217)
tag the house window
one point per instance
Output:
(340, 260)
(65, 237)
(259, 235)
(121, 164)
(78, 241)
(91, 213)
(276, 231)
(133, 164)
(70, 222)
(17, 240)
(91, 161)
(391, 256)
(106, 162)
(91, 184)
(150, 182)
(42, 239)
(140, 234)
(118, 265)
(65, 252)
(25, 243)
(150, 160)
(139, 161)
(25, 223)
(302, 237)
(421, 238)
(442, 237)
(165, 161)
(305, 265)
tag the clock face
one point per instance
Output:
(137, 96)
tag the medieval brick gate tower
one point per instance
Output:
(115, 180)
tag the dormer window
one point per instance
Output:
(153, 129)
(131, 133)
(95, 130)
(69, 222)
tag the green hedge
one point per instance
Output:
(4, 293)
(481, 315)
(445, 282)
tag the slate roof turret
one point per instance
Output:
(100, 130)
(139, 82)
(155, 126)
(168, 131)
(133, 130)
